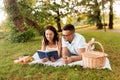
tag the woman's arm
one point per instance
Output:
(59, 48)
(43, 47)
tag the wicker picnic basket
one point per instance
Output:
(94, 59)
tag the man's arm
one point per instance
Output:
(79, 57)
(65, 52)
(75, 58)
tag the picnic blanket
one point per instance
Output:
(59, 62)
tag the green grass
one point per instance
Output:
(11, 51)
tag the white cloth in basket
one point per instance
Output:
(59, 62)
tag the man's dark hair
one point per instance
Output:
(69, 27)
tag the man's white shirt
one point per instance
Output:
(77, 43)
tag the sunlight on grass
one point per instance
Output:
(116, 26)
(10, 51)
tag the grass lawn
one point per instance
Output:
(10, 51)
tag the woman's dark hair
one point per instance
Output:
(55, 38)
(69, 27)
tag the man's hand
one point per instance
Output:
(67, 60)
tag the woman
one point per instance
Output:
(51, 42)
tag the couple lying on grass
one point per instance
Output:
(71, 44)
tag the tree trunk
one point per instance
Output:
(19, 22)
(97, 13)
(14, 14)
(99, 23)
(111, 15)
(32, 23)
(58, 22)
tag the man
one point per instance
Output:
(73, 44)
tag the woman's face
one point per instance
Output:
(49, 35)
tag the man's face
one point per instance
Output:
(68, 35)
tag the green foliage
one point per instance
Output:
(22, 36)
(8, 31)
(44, 12)
(37, 13)
(5, 28)
(28, 2)
(91, 19)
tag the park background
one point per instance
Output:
(21, 28)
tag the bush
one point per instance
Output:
(10, 32)
(22, 36)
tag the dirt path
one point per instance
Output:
(114, 31)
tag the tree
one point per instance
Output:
(111, 15)
(98, 16)
(55, 11)
(14, 13)
(21, 31)
(42, 12)
(93, 12)
(17, 15)
(58, 21)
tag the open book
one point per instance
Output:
(47, 55)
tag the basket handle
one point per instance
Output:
(96, 42)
